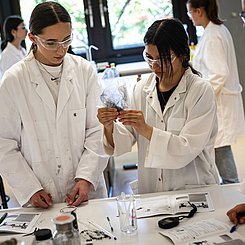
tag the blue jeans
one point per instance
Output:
(226, 165)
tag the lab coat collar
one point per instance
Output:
(66, 85)
(15, 51)
(151, 95)
(151, 92)
(42, 89)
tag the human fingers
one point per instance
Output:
(232, 216)
(241, 220)
(106, 115)
(131, 117)
(77, 198)
(80, 192)
(235, 213)
(41, 199)
(82, 197)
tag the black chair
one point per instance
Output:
(4, 197)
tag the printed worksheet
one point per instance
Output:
(173, 204)
(18, 222)
(208, 232)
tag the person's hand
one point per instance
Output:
(237, 214)
(41, 199)
(79, 193)
(106, 116)
(135, 119)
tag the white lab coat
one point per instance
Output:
(42, 146)
(10, 56)
(180, 154)
(215, 58)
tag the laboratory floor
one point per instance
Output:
(122, 177)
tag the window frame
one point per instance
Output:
(106, 53)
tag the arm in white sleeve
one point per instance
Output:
(171, 151)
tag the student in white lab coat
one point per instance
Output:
(50, 138)
(15, 32)
(172, 117)
(216, 60)
(243, 12)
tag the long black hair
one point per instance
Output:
(11, 23)
(47, 14)
(210, 7)
(169, 35)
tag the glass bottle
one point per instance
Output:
(65, 234)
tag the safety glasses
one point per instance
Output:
(54, 45)
(157, 61)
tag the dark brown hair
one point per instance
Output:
(47, 14)
(11, 23)
(210, 7)
(167, 35)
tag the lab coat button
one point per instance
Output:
(75, 114)
(159, 179)
(150, 97)
(161, 121)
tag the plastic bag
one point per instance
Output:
(115, 96)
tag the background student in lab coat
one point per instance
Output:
(15, 32)
(216, 60)
(243, 12)
(49, 134)
(172, 117)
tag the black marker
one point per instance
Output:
(3, 217)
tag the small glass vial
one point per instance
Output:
(43, 237)
(65, 234)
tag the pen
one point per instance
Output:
(109, 223)
(233, 228)
(102, 229)
(4, 216)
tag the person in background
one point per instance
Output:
(14, 32)
(50, 138)
(237, 214)
(242, 14)
(215, 58)
(172, 117)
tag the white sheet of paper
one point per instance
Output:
(203, 232)
(173, 204)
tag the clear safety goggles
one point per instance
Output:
(157, 61)
(54, 45)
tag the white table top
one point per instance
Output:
(223, 198)
(133, 68)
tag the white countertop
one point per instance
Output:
(133, 68)
(223, 198)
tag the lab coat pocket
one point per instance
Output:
(175, 125)
(78, 124)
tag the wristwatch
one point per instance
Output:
(242, 15)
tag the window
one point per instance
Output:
(115, 27)
(129, 20)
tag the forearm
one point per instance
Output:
(147, 132)
(108, 134)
